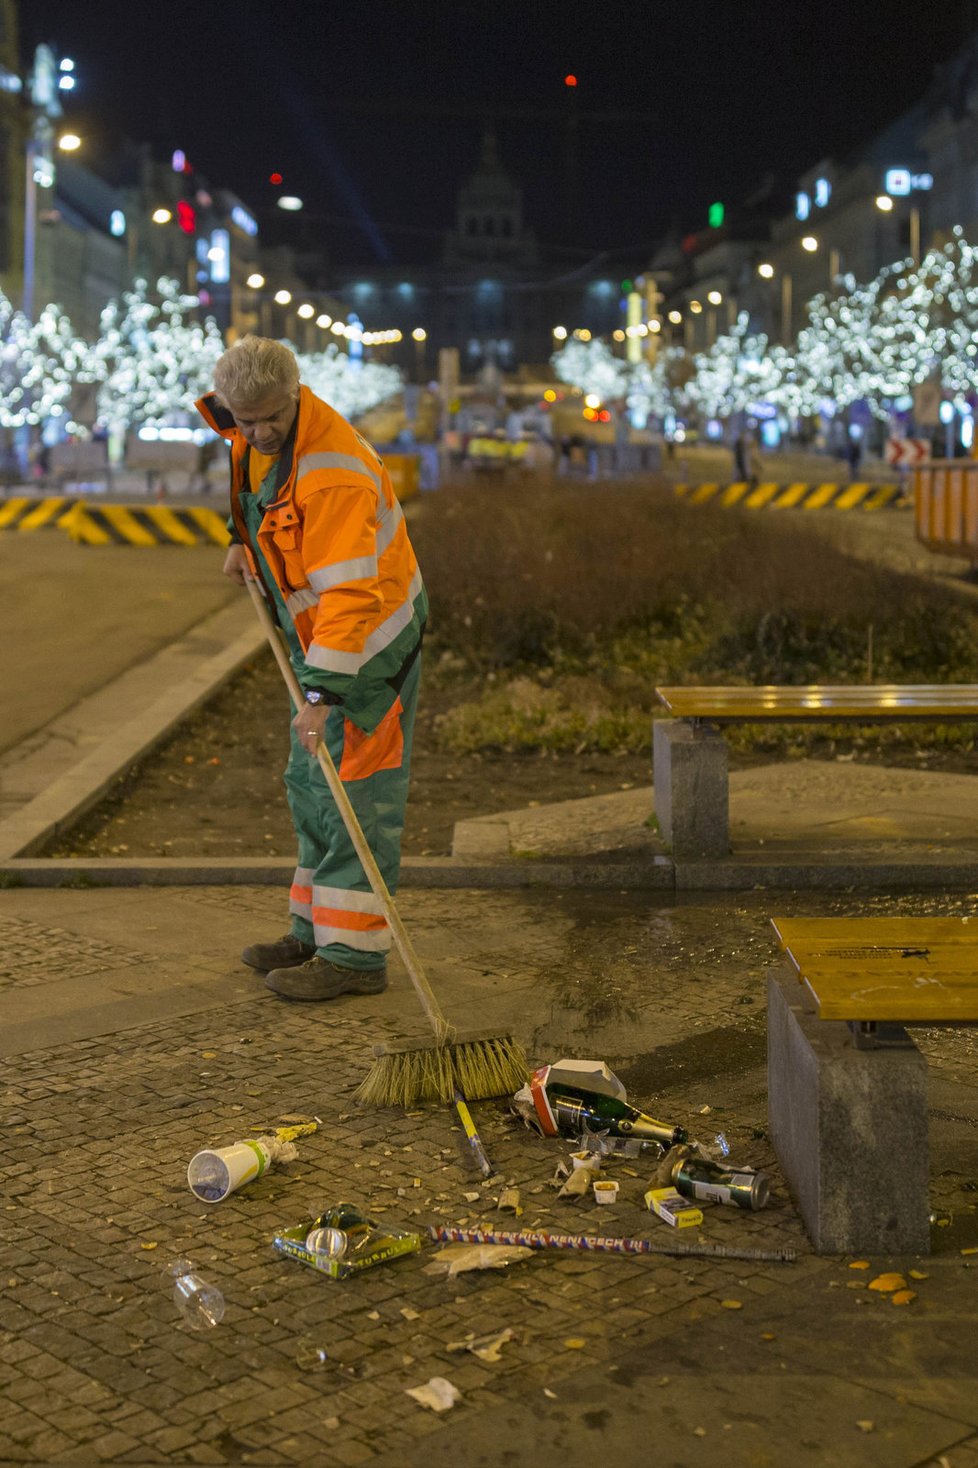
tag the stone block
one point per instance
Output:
(692, 793)
(849, 1127)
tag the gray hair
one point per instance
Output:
(254, 367)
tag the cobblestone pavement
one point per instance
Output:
(120, 1066)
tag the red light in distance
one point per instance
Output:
(570, 80)
(274, 178)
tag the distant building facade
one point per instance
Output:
(491, 296)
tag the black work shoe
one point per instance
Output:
(317, 978)
(287, 952)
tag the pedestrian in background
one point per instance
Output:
(315, 520)
(740, 453)
(854, 455)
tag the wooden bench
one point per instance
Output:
(847, 1086)
(690, 757)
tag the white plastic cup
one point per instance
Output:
(590, 1160)
(605, 1191)
(218, 1171)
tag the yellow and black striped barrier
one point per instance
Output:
(27, 512)
(90, 524)
(795, 496)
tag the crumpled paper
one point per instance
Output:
(486, 1347)
(438, 1394)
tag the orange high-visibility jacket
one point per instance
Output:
(336, 543)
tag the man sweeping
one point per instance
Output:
(315, 521)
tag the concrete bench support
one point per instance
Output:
(849, 1128)
(692, 792)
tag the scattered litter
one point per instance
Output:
(860, 1264)
(215, 1173)
(200, 1303)
(310, 1355)
(575, 1343)
(969, 1251)
(585, 1159)
(705, 1110)
(410, 1314)
(548, 1393)
(576, 1185)
(459, 1258)
(486, 1347)
(150, 1244)
(713, 1182)
(768, 1335)
(885, 1283)
(721, 1144)
(595, 1103)
(673, 1208)
(438, 1394)
(865, 1424)
(373, 1315)
(471, 1197)
(699, 1432)
(664, 1381)
(917, 1274)
(732, 1304)
(903, 1297)
(509, 1202)
(331, 1422)
(345, 1241)
(605, 1191)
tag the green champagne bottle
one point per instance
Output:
(581, 1111)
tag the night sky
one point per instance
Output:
(373, 112)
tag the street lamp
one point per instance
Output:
(419, 336)
(885, 205)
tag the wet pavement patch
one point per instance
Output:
(702, 1056)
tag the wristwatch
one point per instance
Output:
(315, 696)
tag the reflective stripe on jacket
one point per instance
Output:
(335, 541)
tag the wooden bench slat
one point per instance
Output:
(879, 701)
(906, 970)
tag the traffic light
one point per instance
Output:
(570, 80)
(275, 178)
(716, 215)
(186, 217)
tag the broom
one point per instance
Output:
(454, 1066)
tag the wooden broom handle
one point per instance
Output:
(443, 1031)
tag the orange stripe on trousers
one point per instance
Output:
(338, 917)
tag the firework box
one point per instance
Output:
(392, 1243)
(592, 1075)
(673, 1208)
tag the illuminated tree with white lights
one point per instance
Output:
(348, 385)
(655, 389)
(591, 366)
(152, 358)
(39, 363)
(739, 370)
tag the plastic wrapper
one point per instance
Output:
(458, 1258)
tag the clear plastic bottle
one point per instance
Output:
(199, 1302)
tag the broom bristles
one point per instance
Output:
(479, 1069)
